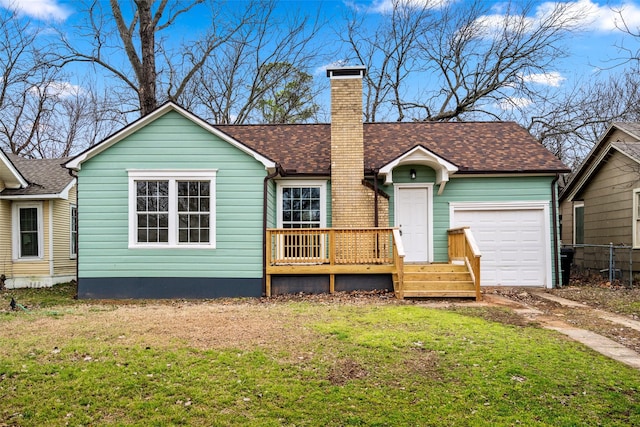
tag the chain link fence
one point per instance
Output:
(613, 263)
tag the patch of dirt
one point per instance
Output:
(238, 323)
(346, 370)
(247, 323)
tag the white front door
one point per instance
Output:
(413, 217)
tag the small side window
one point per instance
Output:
(578, 223)
(636, 217)
(73, 237)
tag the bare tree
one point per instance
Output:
(460, 59)
(157, 67)
(79, 117)
(389, 51)
(25, 103)
(631, 53)
(232, 84)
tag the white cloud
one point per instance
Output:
(609, 17)
(513, 103)
(385, 6)
(589, 15)
(46, 10)
(59, 90)
(553, 79)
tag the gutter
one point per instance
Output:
(265, 187)
(375, 203)
(77, 231)
(51, 247)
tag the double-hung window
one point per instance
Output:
(73, 231)
(172, 209)
(302, 204)
(28, 233)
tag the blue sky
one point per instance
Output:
(591, 50)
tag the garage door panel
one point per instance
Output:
(512, 242)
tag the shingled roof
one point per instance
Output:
(45, 176)
(474, 147)
(628, 145)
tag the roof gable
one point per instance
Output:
(420, 155)
(76, 162)
(628, 145)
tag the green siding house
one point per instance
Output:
(174, 207)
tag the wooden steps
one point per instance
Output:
(437, 280)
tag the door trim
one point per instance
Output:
(396, 208)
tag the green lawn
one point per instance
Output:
(334, 365)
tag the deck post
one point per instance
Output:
(268, 263)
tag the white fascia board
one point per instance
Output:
(268, 164)
(33, 197)
(6, 163)
(420, 156)
(76, 162)
(64, 194)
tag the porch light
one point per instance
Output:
(412, 173)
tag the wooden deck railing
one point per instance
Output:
(463, 247)
(332, 251)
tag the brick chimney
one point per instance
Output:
(349, 198)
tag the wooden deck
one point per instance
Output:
(333, 251)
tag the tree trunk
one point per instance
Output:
(147, 83)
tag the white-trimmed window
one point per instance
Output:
(28, 233)
(302, 204)
(578, 223)
(636, 217)
(172, 209)
(73, 231)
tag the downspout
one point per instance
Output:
(265, 188)
(77, 231)
(51, 248)
(375, 200)
(554, 210)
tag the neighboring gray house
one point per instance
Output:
(601, 202)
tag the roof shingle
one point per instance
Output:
(45, 176)
(474, 147)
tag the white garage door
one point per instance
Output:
(513, 244)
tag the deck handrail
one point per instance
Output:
(463, 247)
(398, 259)
(333, 251)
